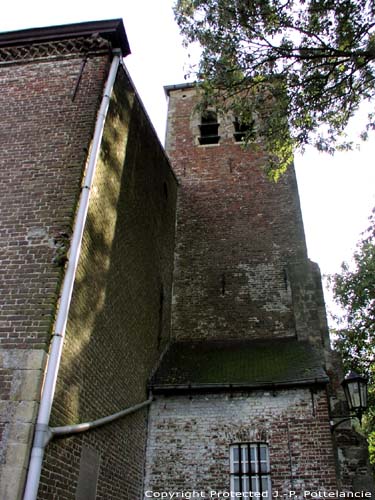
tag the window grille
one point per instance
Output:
(250, 469)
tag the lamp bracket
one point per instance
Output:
(343, 419)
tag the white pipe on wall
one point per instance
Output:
(42, 430)
(67, 430)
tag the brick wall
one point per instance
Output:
(308, 304)
(189, 439)
(237, 234)
(44, 137)
(120, 314)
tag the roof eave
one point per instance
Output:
(220, 387)
(179, 86)
(113, 30)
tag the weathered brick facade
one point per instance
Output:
(237, 234)
(44, 137)
(245, 296)
(118, 322)
(227, 328)
(189, 439)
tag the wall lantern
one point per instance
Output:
(355, 389)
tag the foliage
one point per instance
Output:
(300, 67)
(354, 291)
(371, 447)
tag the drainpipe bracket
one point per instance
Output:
(43, 435)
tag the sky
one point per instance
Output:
(337, 193)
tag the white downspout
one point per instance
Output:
(41, 429)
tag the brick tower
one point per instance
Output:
(239, 237)
(245, 378)
(99, 307)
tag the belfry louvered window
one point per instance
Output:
(209, 128)
(250, 469)
(243, 129)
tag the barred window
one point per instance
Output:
(250, 469)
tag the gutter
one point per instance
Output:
(221, 387)
(179, 86)
(41, 429)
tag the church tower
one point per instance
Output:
(242, 388)
(241, 252)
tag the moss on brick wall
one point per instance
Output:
(119, 319)
(44, 140)
(44, 136)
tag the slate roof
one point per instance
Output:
(238, 364)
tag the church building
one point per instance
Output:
(163, 332)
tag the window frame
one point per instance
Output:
(242, 129)
(251, 468)
(209, 128)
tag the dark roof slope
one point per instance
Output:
(238, 364)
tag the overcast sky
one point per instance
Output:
(337, 193)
